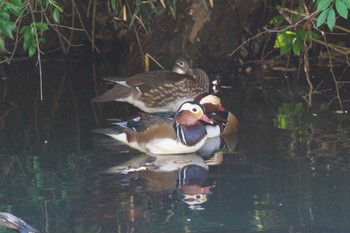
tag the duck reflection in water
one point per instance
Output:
(167, 173)
(191, 185)
(159, 172)
(184, 173)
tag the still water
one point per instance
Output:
(286, 170)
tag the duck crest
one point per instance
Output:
(190, 135)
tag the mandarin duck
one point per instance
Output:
(160, 91)
(225, 122)
(184, 133)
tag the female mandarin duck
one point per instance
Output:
(224, 121)
(160, 91)
(154, 134)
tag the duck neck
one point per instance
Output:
(190, 135)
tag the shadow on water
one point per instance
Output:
(287, 170)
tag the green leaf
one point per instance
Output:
(6, 27)
(5, 15)
(57, 6)
(347, 3)
(298, 46)
(322, 17)
(136, 12)
(323, 4)
(32, 49)
(57, 15)
(18, 3)
(13, 8)
(284, 39)
(2, 44)
(304, 35)
(28, 37)
(27, 43)
(341, 8)
(285, 50)
(113, 4)
(331, 19)
(41, 26)
(277, 20)
(301, 34)
(23, 29)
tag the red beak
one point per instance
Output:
(205, 118)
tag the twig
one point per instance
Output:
(308, 96)
(94, 3)
(38, 50)
(136, 32)
(292, 25)
(87, 34)
(245, 42)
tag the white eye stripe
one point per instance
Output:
(192, 108)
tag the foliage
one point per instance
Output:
(14, 12)
(29, 36)
(293, 37)
(294, 117)
(299, 31)
(327, 12)
(140, 14)
(288, 41)
(8, 8)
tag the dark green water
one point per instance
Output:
(287, 170)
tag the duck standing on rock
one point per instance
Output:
(185, 133)
(160, 91)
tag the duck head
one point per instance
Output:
(190, 114)
(182, 65)
(210, 102)
(187, 123)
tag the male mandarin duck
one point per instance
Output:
(160, 91)
(154, 134)
(225, 122)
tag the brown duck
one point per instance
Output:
(160, 91)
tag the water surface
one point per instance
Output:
(287, 169)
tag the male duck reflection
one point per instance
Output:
(160, 91)
(185, 173)
(185, 133)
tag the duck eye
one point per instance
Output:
(194, 110)
(181, 63)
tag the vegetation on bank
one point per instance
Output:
(301, 29)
